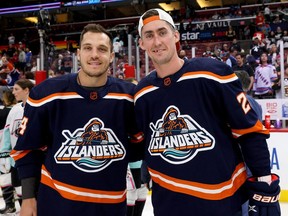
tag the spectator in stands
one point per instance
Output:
(9, 73)
(51, 74)
(208, 52)
(273, 55)
(265, 76)
(15, 57)
(242, 66)
(186, 46)
(232, 56)
(33, 66)
(20, 45)
(265, 28)
(278, 33)
(182, 54)
(257, 48)
(121, 76)
(29, 55)
(259, 19)
(230, 33)
(277, 19)
(250, 60)
(235, 45)
(30, 76)
(117, 46)
(217, 54)
(10, 50)
(124, 41)
(67, 62)
(285, 39)
(21, 59)
(225, 47)
(224, 55)
(247, 32)
(270, 39)
(117, 37)
(11, 39)
(267, 13)
(120, 68)
(216, 16)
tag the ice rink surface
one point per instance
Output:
(148, 210)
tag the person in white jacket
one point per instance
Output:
(9, 177)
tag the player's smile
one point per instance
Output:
(158, 51)
(94, 63)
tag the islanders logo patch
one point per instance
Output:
(91, 148)
(178, 138)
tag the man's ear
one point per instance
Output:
(141, 44)
(177, 36)
(78, 54)
(112, 56)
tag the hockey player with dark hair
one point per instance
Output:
(85, 123)
(199, 169)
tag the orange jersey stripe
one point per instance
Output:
(200, 190)
(16, 155)
(59, 95)
(119, 96)
(191, 75)
(258, 127)
(209, 75)
(82, 194)
(144, 91)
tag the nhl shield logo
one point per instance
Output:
(91, 148)
(178, 138)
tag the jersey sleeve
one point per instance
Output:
(28, 152)
(246, 128)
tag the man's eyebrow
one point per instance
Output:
(86, 44)
(157, 30)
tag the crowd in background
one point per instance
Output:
(260, 36)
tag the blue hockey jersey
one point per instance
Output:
(194, 121)
(87, 136)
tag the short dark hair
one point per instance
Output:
(242, 55)
(96, 28)
(25, 83)
(244, 79)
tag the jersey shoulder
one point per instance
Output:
(209, 65)
(120, 86)
(64, 83)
